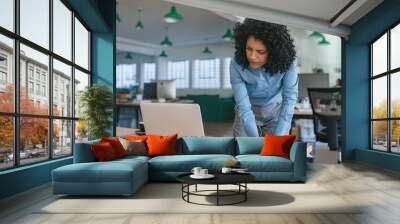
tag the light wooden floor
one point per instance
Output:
(378, 189)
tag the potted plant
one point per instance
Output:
(96, 104)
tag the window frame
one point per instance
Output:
(388, 74)
(16, 115)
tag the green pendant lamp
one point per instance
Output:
(206, 50)
(324, 41)
(228, 36)
(128, 56)
(173, 16)
(166, 42)
(163, 54)
(139, 24)
(316, 34)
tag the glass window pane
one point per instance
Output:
(6, 142)
(379, 55)
(6, 74)
(126, 75)
(35, 21)
(149, 72)
(81, 45)
(179, 70)
(395, 47)
(33, 139)
(81, 81)
(7, 14)
(81, 131)
(395, 94)
(395, 136)
(206, 74)
(62, 29)
(34, 96)
(379, 98)
(62, 89)
(379, 135)
(62, 138)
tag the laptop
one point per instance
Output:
(171, 118)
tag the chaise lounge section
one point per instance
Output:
(125, 176)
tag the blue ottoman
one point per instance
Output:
(118, 177)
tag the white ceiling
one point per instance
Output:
(197, 25)
(208, 19)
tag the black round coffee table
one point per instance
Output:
(238, 179)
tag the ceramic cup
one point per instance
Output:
(226, 170)
(196, 171)
(203, 172)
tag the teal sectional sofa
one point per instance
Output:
(125, 176)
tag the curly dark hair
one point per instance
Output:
(276, 38)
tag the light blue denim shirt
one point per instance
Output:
(259, 88)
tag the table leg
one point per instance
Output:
(245, 192)
(217, 194)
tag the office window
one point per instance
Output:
(40, 61)
(206, 74)
(34, 21)
(62, 73)
(49, 135)
(126, 75)
(6, 142)
(62, 29)
(179, 70)
(385, 97)
(7, 14)
(81, 45)
(81, 82)
(149, 72)
(226, 74)
(62, 140)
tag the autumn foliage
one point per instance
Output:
(380, 127)
(33, 131)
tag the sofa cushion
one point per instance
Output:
(103, 152)
(207, 145)
(161, 145)
(249, 145)
(134, 147)
(277, 145)
(257, 163)
(116, 145)
(185, 163)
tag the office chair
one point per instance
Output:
(326, 108)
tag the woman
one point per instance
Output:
(264, 79)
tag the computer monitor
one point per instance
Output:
(166, 89)
(150, 90)
(312, 80)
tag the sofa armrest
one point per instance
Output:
(298, 157)
(83, 152)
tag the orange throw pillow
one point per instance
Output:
(161, 145)
(116, 145)
(103, 151)
(136, 137)
(277, 145)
